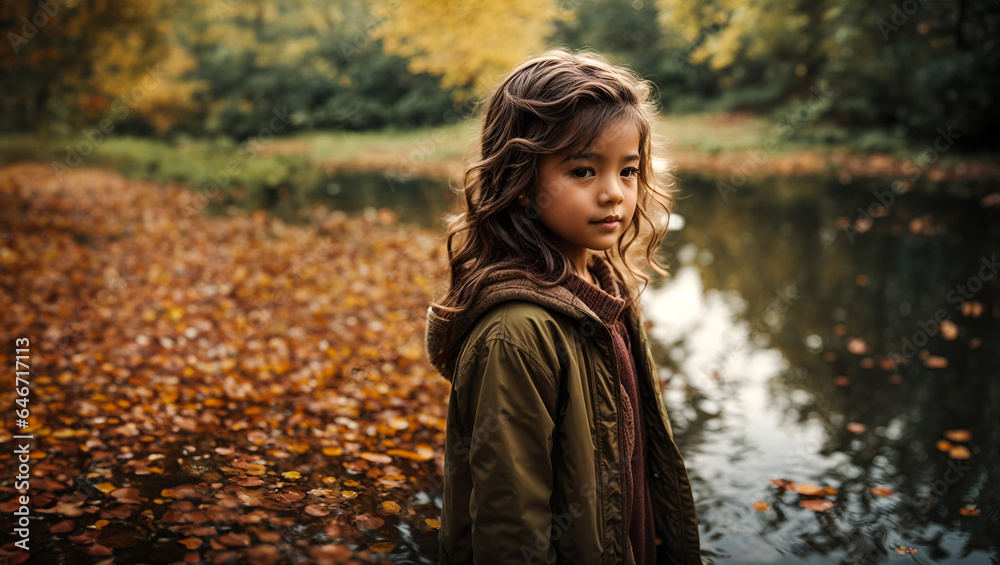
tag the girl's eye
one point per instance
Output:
(630, 172)
(582, 172)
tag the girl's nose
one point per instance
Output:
(611, 190)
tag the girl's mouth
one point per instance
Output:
(606, 225)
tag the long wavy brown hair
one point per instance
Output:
(551, 103)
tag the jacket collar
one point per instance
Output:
(445, 331)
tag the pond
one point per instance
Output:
(810, 353)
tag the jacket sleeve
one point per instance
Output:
(509, 412)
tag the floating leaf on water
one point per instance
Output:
(806, 489)
(970, 511)
(857, 346)
(959, 452)
(949, 330)
(972, 308)
(904, 550)
(881, 491)
(817, 504)
(761, 506)
(958, 435)
(936, 362)
(432, 522)
(856, 428)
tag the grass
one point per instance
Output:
(293, 160)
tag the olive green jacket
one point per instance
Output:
(533, 438)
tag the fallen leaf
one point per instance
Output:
(782, 483)
(943, 445)
(958, 435)
(857, 346)
(191, 543)
(382, 546)
(390, 507)
(97, 550)
(62, 527)
(434, 523)
(936, 362)
(761, 506)
(881, 491)
(807, 489)
(856, 428)
(817, 504)
(376, 457)
(904, 550)
(367, 522)
(316, 510)
(970, 511)
(959, 452)
(949, 330)
(233, 539)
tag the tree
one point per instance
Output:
(471, 44)
(76, 63)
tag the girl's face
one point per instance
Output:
(587, 197)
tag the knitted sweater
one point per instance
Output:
(608, 303)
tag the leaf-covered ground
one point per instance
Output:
(215, 389)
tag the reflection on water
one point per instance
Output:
(777, 332)
(787, 352)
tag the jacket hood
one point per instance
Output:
(446, 331)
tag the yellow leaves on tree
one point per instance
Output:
(471, 44)
(717, 30)
(104, 61)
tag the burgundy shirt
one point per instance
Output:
(608, 303)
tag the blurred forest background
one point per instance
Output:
(906, 67)
(898, 70)
(249, 384)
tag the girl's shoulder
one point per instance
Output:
(522, 321)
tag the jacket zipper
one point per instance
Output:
(621, 452)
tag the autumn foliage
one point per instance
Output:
(217, 389)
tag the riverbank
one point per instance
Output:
(717, 145)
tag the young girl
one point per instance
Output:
(558, 446)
